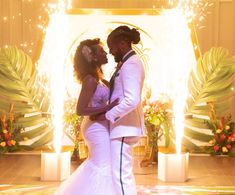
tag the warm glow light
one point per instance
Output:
(168, 53)
(57, 80)
(176, 43)
(179, 90)
(193, 10)
(69, 4)
(64, 5)
(166, 50)
(178, 109)
(55, 71)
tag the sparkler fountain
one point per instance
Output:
(173, 167)
(56, 165)
(163, 47)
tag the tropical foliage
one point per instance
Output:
(211, 81)
(21, 85)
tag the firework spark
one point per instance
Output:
(193, 10)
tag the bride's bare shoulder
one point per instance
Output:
(89, 79)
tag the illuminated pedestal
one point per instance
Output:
(173, 167)
(55, 167)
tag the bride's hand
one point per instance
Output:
(101, 116)
(114, 103)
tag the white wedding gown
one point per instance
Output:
(93, 176)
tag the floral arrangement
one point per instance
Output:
(72, 126)
(158, 119)
(9, 133)
(158, 123)
(72, 122)
(223, 130)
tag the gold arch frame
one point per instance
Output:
(122, 12)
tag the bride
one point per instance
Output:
(93, 177)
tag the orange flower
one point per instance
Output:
(13, 142)
(3, 144)
(230, 138)
(4, 131)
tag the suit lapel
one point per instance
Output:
(115, 74)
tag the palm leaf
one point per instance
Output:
(20, 85)
(211, 81)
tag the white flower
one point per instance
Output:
(87, 53)
(224, 150)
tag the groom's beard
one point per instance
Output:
(118, 56)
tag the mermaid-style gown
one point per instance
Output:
(93, 176)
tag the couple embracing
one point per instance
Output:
(113, 116)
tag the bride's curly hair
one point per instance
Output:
(84, 63)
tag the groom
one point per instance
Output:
(125, 119)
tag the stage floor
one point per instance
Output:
(204, 171)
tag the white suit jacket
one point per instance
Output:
(127, 119)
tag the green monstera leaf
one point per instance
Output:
(211, 81)
(22, 86)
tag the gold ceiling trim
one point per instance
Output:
(115, 11)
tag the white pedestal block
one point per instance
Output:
(173, 167)
(55, 167)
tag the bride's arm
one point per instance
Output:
(89, 85)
